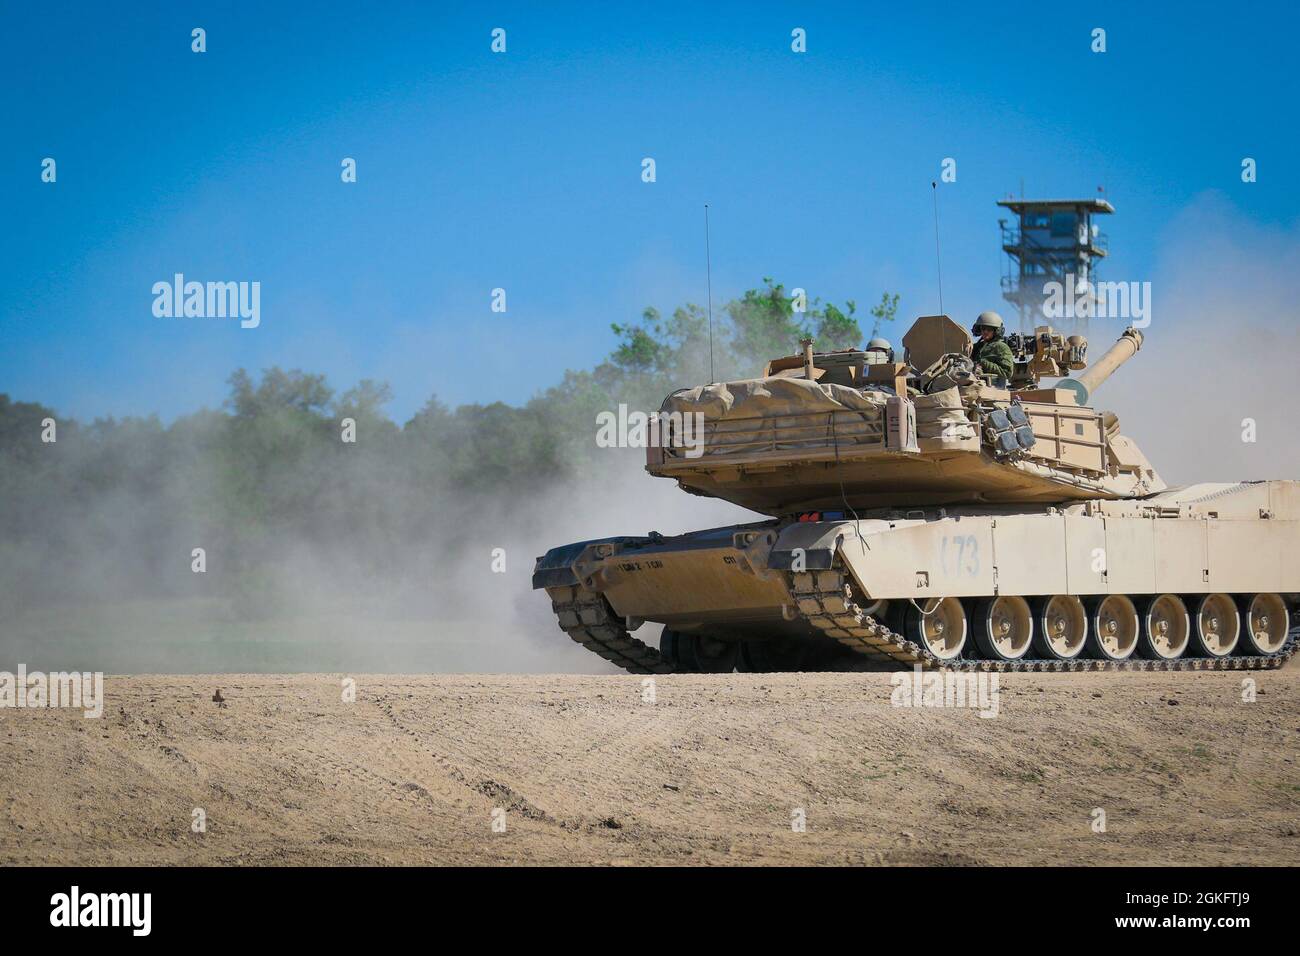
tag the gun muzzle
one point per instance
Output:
(1124, 349)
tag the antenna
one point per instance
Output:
(708, 271)
(934, 188)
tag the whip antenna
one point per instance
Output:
(708, 272)
(938, 263)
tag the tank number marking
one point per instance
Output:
(640, 565)
(960, 555)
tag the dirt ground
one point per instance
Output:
(714, 770)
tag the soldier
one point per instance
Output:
(991, 353)
(879, 352)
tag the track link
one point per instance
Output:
(587, 618)
(825, 600)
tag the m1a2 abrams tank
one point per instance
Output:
(924, 514)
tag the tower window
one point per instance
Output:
(1063, 223)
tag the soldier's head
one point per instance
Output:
(988, 326)
(880, 351)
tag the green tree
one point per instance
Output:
(884, 312)
(763, 324)
(836, 329)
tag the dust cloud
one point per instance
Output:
(379, 574)
(1222, 348)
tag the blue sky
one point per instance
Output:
(522, 171)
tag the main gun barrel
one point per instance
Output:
(1124, 349)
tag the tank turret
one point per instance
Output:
(824, 430)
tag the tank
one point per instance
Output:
(924, 514)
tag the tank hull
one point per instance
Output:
(865, 583)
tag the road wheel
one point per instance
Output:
(1062, 628)
(1004, 628)
(938, 625)
(771, 656)
(1217, 626)
(1166, 628)
(698, 653)
(1113, 628)
(669, 642)
(1267, 625)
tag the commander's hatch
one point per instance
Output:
(931, 337)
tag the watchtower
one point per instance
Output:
(1051, 241)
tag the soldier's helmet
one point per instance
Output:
(987, 320)
(879, 352)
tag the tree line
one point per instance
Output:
(100, 513)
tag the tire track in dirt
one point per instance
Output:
(591, 771)
(492, 791)
(623, 742)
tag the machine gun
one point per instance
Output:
(1045, 354)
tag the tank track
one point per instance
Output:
(587, 618)
(825, 600)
